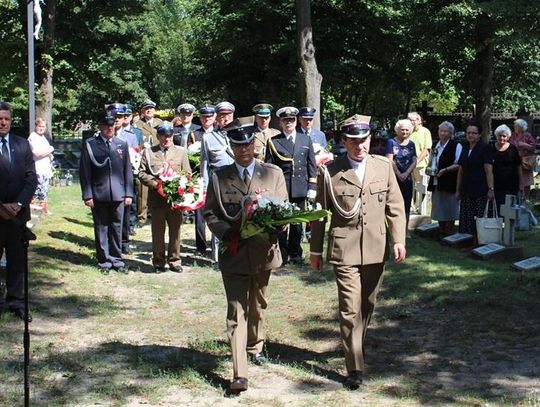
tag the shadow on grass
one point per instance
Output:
(307, 359)
(116, 371)
(51, 256)
(81, 241)
(88, 224)
(449, 325)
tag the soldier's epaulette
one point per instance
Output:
(380, 157)
(271, 166)
(221, 169)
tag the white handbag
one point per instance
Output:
(489, 230)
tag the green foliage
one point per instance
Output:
(379, 57)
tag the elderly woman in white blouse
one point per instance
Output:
(442, 170)
(43, 157)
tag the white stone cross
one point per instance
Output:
(509, 211)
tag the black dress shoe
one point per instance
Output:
(259, 359)
(123, 270)
(239, 384)
(19, 312)
(139, 225)
(353, 380)
(176, 269)
(126, 250)
(159, 269)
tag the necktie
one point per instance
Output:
(165, 152)
(108, 142)
(247, 178)
(5, 152)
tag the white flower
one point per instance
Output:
(183, 181)
(194, 148)
(317, 147)
(189, 198)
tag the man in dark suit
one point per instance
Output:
(245, 271)
(18, 183)
(293, 153)
(107, 187)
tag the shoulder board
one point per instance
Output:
(380, 157)
(270, 166)
(179, 147)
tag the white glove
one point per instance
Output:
(311, 194)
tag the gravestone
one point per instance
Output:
(510, 213)
(458, 239)
(428, 230)
(530, 264)
(488, 250)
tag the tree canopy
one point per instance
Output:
(378, 57)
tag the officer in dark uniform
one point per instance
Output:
(305, 117)
(184, 133)
(107, 187)
(293, 153)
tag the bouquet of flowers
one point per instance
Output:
(194, 155)
(263, 215)
(135, 156)
(184, 191)
(322, 154)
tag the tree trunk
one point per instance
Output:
(46, 66)
(309, 77)
(485, 64)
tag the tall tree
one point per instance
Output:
(310, 79)
(45, 65)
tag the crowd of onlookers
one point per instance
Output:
(462, 177)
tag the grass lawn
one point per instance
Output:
(448, 330)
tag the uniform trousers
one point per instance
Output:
(11, 241)
(142, 203)
(166, 216)
(246, 305)
(200, 231)
(357, 292)
(127, 224)
(108, 217)
(290, 243)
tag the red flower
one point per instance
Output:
(191, 189)
(181, 191)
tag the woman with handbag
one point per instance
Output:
(442, 169)
(506, 166)
(475, 183)
(526, 145)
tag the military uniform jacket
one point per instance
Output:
(363, 239)
(179, 133)
(106, 175)
(261, 141)
(317, 137)
(149, 131)
(296, 161)
(215, 153)
(253, 256)
(153, 162)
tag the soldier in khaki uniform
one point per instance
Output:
(152, 164)
(245, 273)
(363, 195)
(147, 124)
(263, 132)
